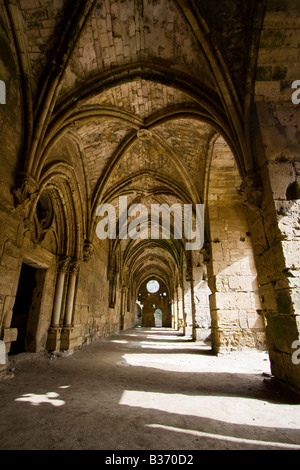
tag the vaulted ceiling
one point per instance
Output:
(129, 94)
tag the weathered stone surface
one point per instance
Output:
(161, 102)
(9, 335)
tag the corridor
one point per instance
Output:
(145, 389)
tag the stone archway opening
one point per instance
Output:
(26, 309)
(158, 318)
(155, 305)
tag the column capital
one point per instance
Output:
(74, 266)
(111, 273)
(251, 192)
(189, 274)
(88, 251)
(25, 192)
(63, 264)
(206, 252)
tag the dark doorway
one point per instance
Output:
(27, 283)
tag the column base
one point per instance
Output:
(54, 339)
(190, 332)
(70, 338)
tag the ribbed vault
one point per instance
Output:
(133, 102)
(143, 103)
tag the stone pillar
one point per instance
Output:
(123, 307)
(189, 306)
(71, 294)
(234, 300)
(68, 337)
(175, 310)
(62, 270)
(54, 335)
(181, 320)
(201, 295)
(276, 241)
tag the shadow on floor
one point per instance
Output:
(121, 394)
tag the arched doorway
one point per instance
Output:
(153, 296)
(158, 317)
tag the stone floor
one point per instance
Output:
(146, 389)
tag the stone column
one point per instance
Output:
(112, 277)
(173, 316)
(201, 295)
(234, 301)
(276, 242)
(181, 321)
(68, 337)
(123, 307)
(74, 267)
(54, 335)
(175, 310)
(189, 304)
(62, 270)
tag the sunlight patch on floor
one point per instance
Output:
(36, 400)
(193, 362)
(229, 409)
(172, 338)
(161, 345)
(276, 445)
(50, 398)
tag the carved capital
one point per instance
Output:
(63, 265)
(111, 273)
(74, 267)
(189, 275)
(88, 251)
(206, 253)
(251, 193)
(25, 193)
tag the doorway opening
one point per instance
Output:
(158, 318)
(26, 309)
(153, 304)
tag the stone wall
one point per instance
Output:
(16, 250)
(93, 318)
(275, 219)
(276, 248)
(132, 101)
(235, 303)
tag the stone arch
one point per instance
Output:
(230, 69)
(154, 301)
(60, 179)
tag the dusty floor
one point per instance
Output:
(146, 389)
